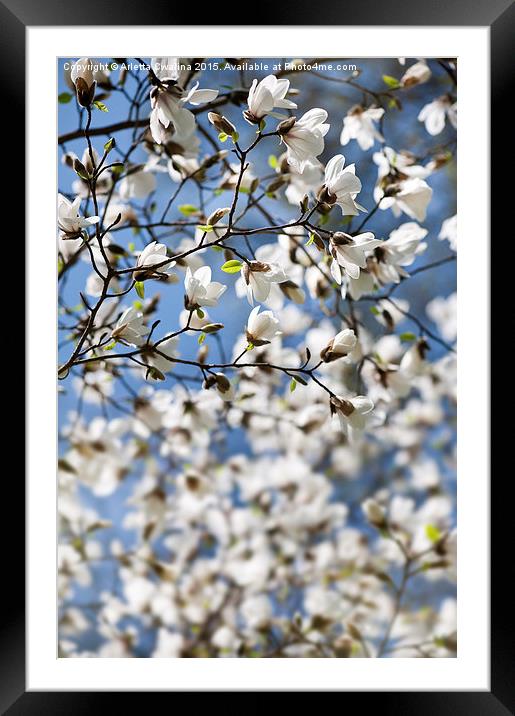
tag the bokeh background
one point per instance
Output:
(402, 131)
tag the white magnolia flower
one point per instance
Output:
(200, 290)
(359, 125)
(261, 327)
(257, 611)
(167, 103)
(449, 231)
(357, 287)
(162, 361)
(305, 139)
(69, 218)
(83, 77)
(349, 253)
(353, 414)
(400, 250)
(306, 183)
(416, 74)
(374, 512)
(433, 114)
(152, 255)
(342, 185)
(443, 312)
(166, 68)
(180, 167)
(257, 277)
(137, 185)
(265, 96)
(341, 345)
(411, 196)
(130, 327)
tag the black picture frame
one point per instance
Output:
(499, 15)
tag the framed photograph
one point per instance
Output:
(258, 347)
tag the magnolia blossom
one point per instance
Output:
(411, 196)
(257, 278)
(265, 96)
(153, 254)
(261, 327)
(349, 253)
(434, 114)
(167, 107)
(449, 231)
(353, 414)
(130, 327)
(69, 218)
(161, 361)
(342, 185)
(137, 185)
(357, 287)
(443, 312)
(374, 512)
(305, 139)
(341, 345)
(400, 250)
(359, 125)
(83, 77)
(200, 290)
(416, 74)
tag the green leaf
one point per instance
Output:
(201, 338)
(217, 248)
(233, 266)
(140, 288)
(262, 125)
(110, 346)
(200, 313)
(310, 240)
(433, 533)
(206, 228)
(250, 346)
(375, 311)
(391, 81)
(272, 161)
(188, 209)
(293, 385)
(407, 337)
(100, 105)
(64, 98)
(223, 137)
(235, 136)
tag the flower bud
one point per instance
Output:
(84, 81)
(218, 214)
(374, 513)
(341, 345)
(212, 327)
(220, 123)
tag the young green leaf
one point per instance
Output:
(140, 288)
(391, 81)
(100, 105)
(64, 98)
(233, 266)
